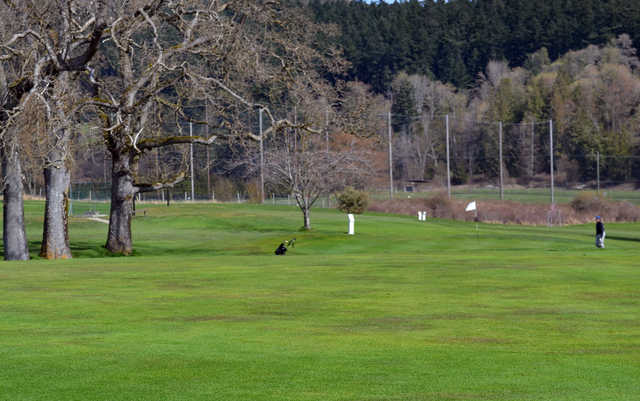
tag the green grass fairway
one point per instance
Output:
(403, 311)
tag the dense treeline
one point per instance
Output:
(592, 96)
(453, 41)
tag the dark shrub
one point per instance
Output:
(589, 202)
(441, 206)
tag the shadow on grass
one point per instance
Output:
(79, 250)
(617, 238)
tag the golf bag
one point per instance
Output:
(281, 249)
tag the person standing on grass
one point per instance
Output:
(600, 234)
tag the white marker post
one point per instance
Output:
(472, 207)
(351, 223)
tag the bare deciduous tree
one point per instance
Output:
(300, 165)
(41, 46)
(237, 55)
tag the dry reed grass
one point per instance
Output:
(581, 210)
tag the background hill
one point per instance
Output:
(453, 41)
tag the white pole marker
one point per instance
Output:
(351, 223)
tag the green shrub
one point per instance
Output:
(352, 201)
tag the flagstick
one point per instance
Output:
(475, 210)
(477, 232)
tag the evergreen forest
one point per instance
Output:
(452, 41)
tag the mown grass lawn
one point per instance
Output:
(403, 310)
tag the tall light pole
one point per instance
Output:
(551, 158)
(390, 157)
(500, 160)
(206, 118)
(533, 130)
(261, 160)
(598, 171)
(446, 118)
(193, 191)
(326, 127)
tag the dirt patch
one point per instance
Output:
(98, 219)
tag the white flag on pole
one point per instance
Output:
(471, 207)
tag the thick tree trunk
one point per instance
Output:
(57, 177)
(13, 232)
(122, 193)
(55, 236)
(307, 220)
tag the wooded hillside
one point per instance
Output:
(453, 41)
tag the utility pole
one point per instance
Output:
(390, 157)
(261, 160)
(598, 170)
(500, 160)
(448, 161)
(551, 159)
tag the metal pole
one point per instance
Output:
(390, 158)
(533, 131)
(500, 160)
(193, 191)
(598, 170)
(326, 128)
(261, 161)
(104, 166)
(551, 159)
(295, 131)
(208, 172)
(206, 118)
(448, 161)
(156, 150)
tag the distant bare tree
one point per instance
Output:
(300, 165)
